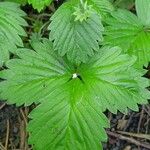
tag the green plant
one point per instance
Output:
(37, 4)
(131, 32)
(77, 74)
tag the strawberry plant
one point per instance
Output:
(92, 62)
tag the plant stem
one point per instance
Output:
(82, 5)
(81, 1)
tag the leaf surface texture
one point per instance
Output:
(131, 32)
(77, 39)
(69, 112)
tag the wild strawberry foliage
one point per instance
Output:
(92, 62)
(131, 32)
(11, 23)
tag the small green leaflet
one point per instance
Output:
(39, 4)
(131, 32)
(103, 7)
(5, 48)
(71, 100)
(4, 53)
(143, 11)
(77, 39)
(11, 22)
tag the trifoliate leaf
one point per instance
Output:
(76, 39)
(143, 11)
(11, 22)
(71, 100)
(127, 31)
(68, 116)
(39, 4)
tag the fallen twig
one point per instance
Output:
(137, 135)
(140, 120)
(2, 106)
(1, 146)
(7, 135)
(22, 134)
(24, 116)
(131, 140)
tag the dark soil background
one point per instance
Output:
(127, 132)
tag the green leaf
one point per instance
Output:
(103, 7)
(3, 51)
(11, 22)
(126, 30)
(10, 28)
(22, 2)
(71, 100)
(77, 39)
(128, 4)
(58, 125)
(5, 47)
(113, 82)
(39, 4)
(143, 11)
(30, 77)
(141, 48)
